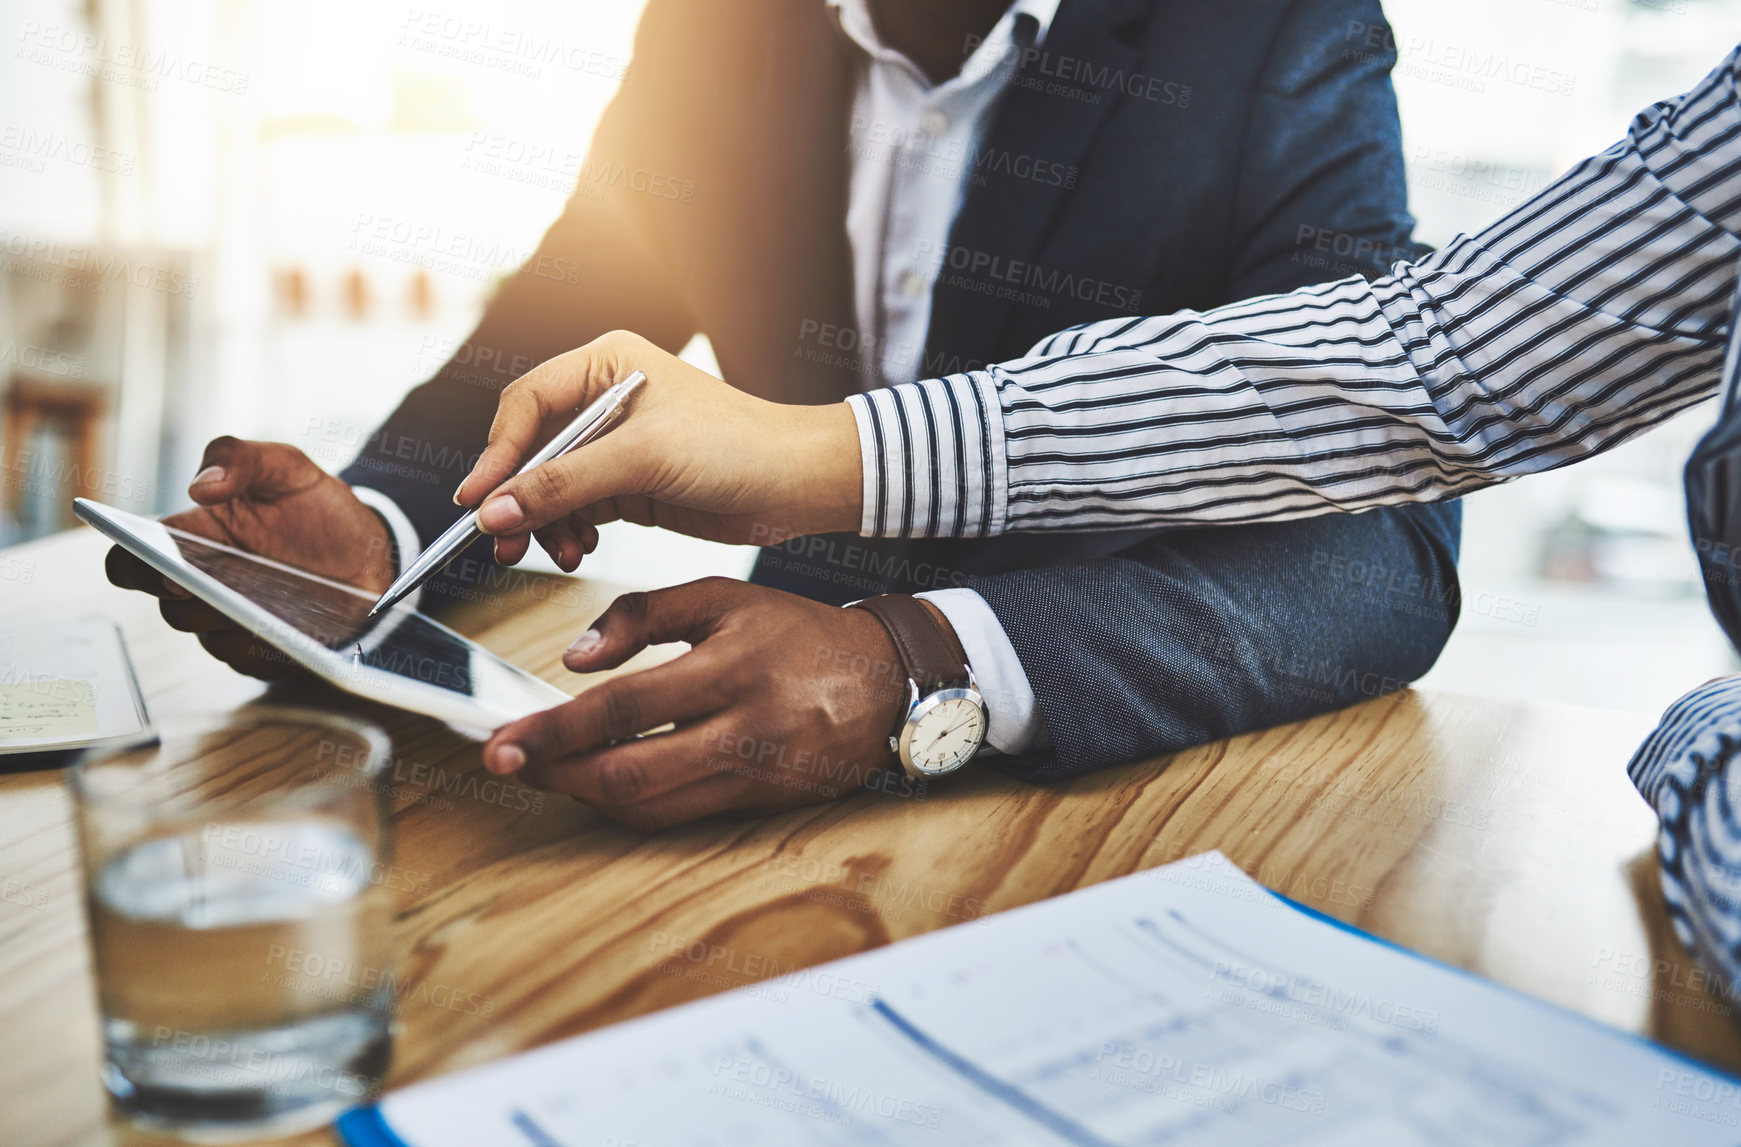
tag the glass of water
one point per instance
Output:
(235, 881)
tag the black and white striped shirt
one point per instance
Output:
(1592, 312)
(1689, 769)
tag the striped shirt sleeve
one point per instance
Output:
(1590, 313)
(1687, 769)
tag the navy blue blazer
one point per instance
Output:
(1154, 155)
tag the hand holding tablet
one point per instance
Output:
(269, 499)
(400, 658)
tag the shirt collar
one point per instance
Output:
(856, 21)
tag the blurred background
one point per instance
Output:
(272, 219)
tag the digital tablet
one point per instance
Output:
(400, 658)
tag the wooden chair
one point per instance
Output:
(34, 403)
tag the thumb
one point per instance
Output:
(232, 468)
(690, 612)
(545, 397)
(606, 468)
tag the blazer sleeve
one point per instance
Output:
(597, 269)
(1200, 634)
(1322, 192)
(1195, 635)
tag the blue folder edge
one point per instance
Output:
(1660, 1049)
(365, 1126)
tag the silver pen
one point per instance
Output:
(587, 425)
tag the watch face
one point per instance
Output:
(947, 733)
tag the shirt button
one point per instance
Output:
(933, 123)
(912, 284)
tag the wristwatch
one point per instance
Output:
(944, 724)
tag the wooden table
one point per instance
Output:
(1499, 837)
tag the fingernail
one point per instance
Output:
(174, 590)
(456, 500)
(209, 474)
(510, 759)
(502, 513)
(586, 643)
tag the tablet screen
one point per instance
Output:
(399, 658)
(400, 642)
(337, 616)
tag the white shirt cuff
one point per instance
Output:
(1013, 724)
(405, 538)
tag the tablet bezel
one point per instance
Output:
(128, 530)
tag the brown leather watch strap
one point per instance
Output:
(924, 650)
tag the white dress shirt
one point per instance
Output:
(912, 145)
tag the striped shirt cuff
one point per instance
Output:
(1702, 727)
(934, 460)
(1687, 770)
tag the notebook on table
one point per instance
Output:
(1185, 1005)
(65, 685)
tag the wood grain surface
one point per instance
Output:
(1499, 837)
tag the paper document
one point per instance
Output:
(65, 684)
(50, 708)
(1185, 1005)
